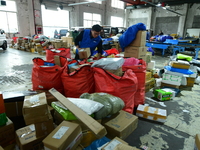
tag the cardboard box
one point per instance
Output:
(162, 95)
(7, 133)
(57, 44)
(73, 68)
(35, 109)
(84, 53)
(122, 125)
(92, 124)
(117, 72)
(27, 140)
(66, 136)
(169, 85)
(171, 79)
(151, 113)
(137, 52)
(197, 142)
(148, 76)
(125, 147)
(57, 60)
(65, 44)
(140, 39)
(113, 144)
(149, 84)
(44, 128)
(88, 138)
(190, 81)
(179, 65)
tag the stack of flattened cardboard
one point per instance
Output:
(137, 47)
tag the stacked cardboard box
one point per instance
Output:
(137, 47)
(149, 82)
(36, 111)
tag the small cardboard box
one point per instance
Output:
(197, 142)
(162, 95)
(57, 44)
(67, 135)
(113, 144)
(149, 84)
(117, 72)
(148, 75)
(190, 81)
(26, 138)
(84, 53)
(151, 113)
(171, 79)
(35, 109)
(121, 125)
(44, 128)
(125, 147)
(65, 45)
(73, 68)
(7, 133)
(92, 124)
(57, 60)
(179, 65)
(140, 39)
(137, 52)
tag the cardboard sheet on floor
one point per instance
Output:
(92, 124)
(197, 142)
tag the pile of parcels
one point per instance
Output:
(40, 43)
(71, 123)
(180, 71)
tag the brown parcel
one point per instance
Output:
(67, 135)
(140, 39)
(44, 128)
(7, 133)
(35, 109)
(73, 68)
(121, 126)
(112, 144)
(92, 124)
(197, 142)
(124, 147)
(84, 53)
(137, 52)
(27, 140)
(57, 60)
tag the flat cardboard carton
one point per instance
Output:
(197, 142)
(66, 136)
(148, 75)
(113, 144)
(140, 39)
(137, 52)
(44, 128)
(84, 53)
(7, 133)
(35, 109)
(122, 125)
(117, 72)
(151, 113)
(27, 140)
(92, 124)
(179, 65)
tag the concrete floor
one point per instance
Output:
(177, 133)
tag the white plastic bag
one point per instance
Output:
(109, 63)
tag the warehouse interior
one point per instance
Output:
(30, 24)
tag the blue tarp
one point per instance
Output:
(162, 38)
(184, 71)
(129, 35)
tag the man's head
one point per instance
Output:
(96, 29)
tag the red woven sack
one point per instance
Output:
(123, 87)
(45, 78)
(65, 52)
(140, 72)
(78, 82)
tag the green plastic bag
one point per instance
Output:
(66, 114)
(182, 56)
(3, 119)
(112, 104)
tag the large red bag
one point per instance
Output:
(78, 82)
(140, 72)
(65, 52)
(45, 78)
(123, 87)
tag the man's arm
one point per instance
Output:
(78, 39)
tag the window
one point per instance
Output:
(89, 19)
(8, 15)
(116, 21)
(117, 4)
(58, 20)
